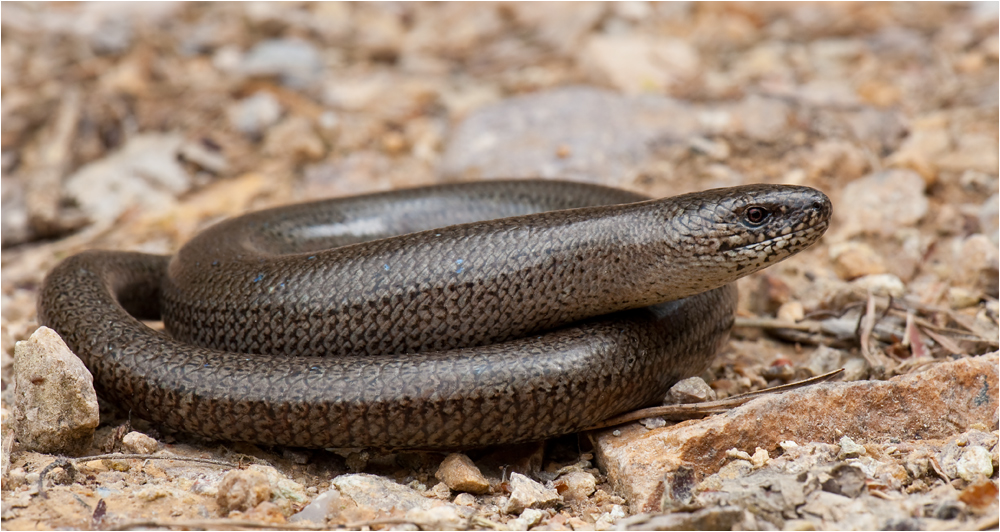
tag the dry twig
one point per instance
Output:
(69, 464)
(691, 411)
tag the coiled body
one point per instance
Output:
(502, 311)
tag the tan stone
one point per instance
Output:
(576, 485)
(936, 403)
(55, 405)
(460, 474)
(242, 490)
(139, 443)
(855, 259)
(879, 203)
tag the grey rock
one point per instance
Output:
(252, 116)
(318, 510)
(577, 132)
(989, 214)
(880, 203)
(381, 494)
(526, 520)
(846, 480)
(145, 173)
(850, 449)
(763, 119)
(720, 518)
(14, 213)
(822, 360)
(295, 62)
(444, 517)
(526, 493)
(690, 390)
(55, 405)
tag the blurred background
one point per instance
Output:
(119, 111)
(133, 125)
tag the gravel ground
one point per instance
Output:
(133, 126)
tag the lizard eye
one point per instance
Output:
(756, 215)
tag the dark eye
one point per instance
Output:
(756, 215)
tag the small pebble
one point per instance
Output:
(254, 115)
(319, 508)
(296, 62)
(653, 422)
(241, 490)
(849, 449)
(787, 445)
(438, 518)
(959, 298)
(139, 443)
(296, 138)
(974, 464)
(855, 259)
(607, 519)
(15, 478)
(439, 491)
(690, 390)
(461, 474)
(738, 454)
(792, 311)
(266, 512)
(883, 284)
(526, 520)
(822, 360)
(526, 493)
(576, 485)
(760, 458)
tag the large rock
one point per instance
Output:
(578, 132)
(947, 398)
(55, 405)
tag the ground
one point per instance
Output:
(133, 126)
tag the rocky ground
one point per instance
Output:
(132, 126)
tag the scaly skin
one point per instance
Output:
(525, 326)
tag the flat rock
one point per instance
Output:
(880, 203)
(636, 64)
(55, 405)
(578, 132)
(295, 62)
(381, 494)
(946, 398)
(595, 135)
(145, 173)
